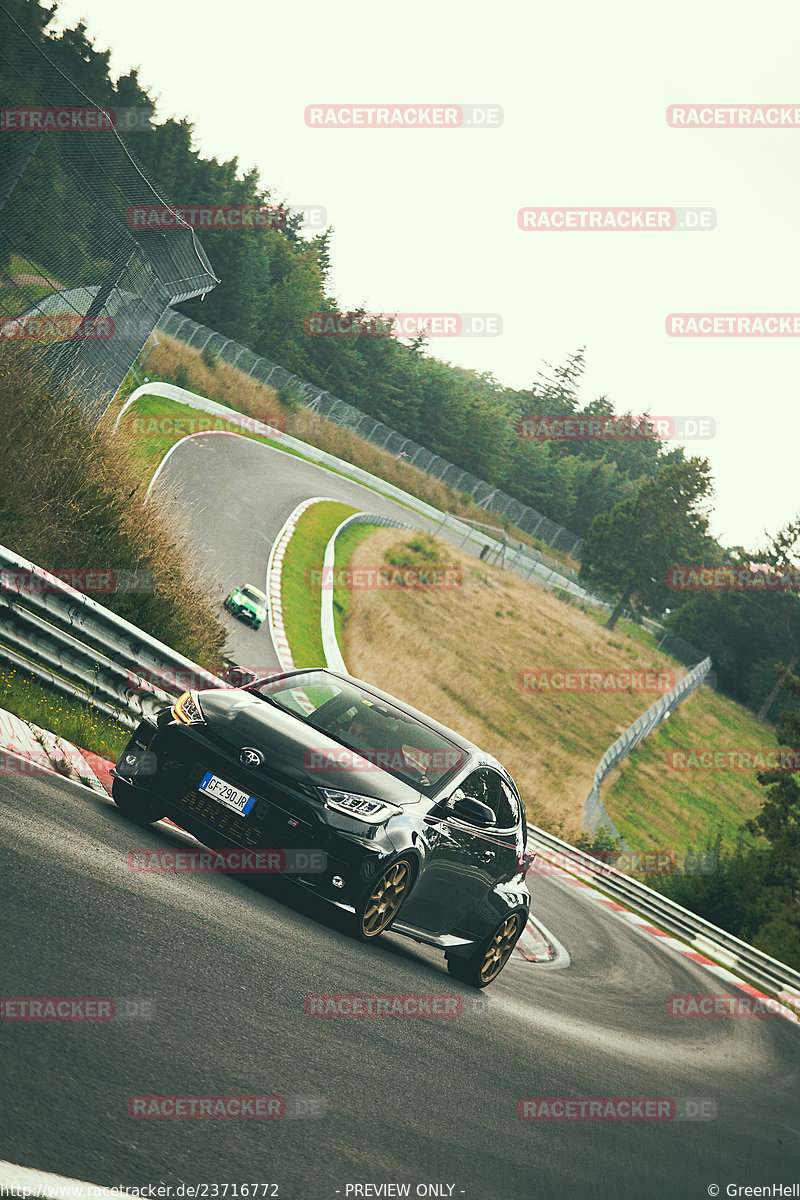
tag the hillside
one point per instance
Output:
(459, 653)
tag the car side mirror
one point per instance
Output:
(526, 860)
(474, 812)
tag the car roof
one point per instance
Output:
(482, 756)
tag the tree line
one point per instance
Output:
(641, 506)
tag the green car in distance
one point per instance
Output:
(248, 604)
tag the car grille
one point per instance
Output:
(283, 820)
(276, 830)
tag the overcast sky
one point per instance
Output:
(426, 219)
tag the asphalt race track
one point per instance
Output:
(232, 525)
(223, 967)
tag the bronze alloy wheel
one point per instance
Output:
(383, 903)
(499, 949)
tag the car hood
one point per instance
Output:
(294, 748)
(254, 605)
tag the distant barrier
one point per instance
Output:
(595, 814)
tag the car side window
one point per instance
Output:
(511, 806)
(487, 786)
(474, 786)
(497, 800)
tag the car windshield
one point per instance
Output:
(370, 728)
(251, 593)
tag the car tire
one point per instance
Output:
(382, 902)
(486, 963)
(134, 805)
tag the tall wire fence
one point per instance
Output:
(484, 494)
(80, 289)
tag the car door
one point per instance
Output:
(464, 862)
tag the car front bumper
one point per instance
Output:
(166, 765)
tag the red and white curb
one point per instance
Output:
(26, 749)
(277, 628)
(666, 939)
(538, 945)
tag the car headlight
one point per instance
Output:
(187, 710)
(363, 808)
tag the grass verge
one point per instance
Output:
(461, 654)
(300, 591)
(153, 424)
(345, 548)
(73, 720)
(658, 807)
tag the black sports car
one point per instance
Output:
(384, 811)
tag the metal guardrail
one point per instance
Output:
(330, 643)
(94, 654)
(71, 642)
(730, 951)
(595, 814)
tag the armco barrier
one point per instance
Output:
(68, 640)
(595, 814)
(708, 939)
(330, 644)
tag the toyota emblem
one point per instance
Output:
(250, 757)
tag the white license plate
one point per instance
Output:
(226, 793)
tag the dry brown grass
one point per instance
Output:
(175, 362)
(71, 498)
(458, 653)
